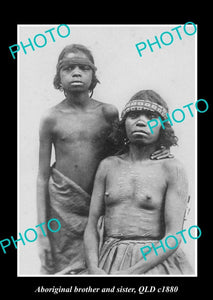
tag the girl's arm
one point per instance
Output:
(175, 205)
(91, 238)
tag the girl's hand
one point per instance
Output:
(96, 270)
(162, 153)
(122, 272)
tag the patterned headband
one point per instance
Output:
(76, 61)
(143, 105)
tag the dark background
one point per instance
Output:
(96, 14)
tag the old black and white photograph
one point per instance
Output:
(107, 150)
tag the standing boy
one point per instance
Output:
(78, 128)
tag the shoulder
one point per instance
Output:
(175, 170)
(53, 112)
(108, 163)
(172, 163)
(48, 118)
(109, 111)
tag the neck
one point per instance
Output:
(141, 152)
(80, 100)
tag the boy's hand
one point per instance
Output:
(162, 153)
(45, 255)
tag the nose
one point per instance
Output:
(141, 121)
(76, 71)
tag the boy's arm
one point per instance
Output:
(112, 117)
(45, 147)
(175, 205)
(91, 238)
(111, 113)
(162, 153)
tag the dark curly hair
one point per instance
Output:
(166, 138)
(75, 48)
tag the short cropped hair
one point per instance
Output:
(167, 136)
(75, 48)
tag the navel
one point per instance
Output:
(148, 197)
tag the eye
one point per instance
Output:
(133, 114)
(84, 67)
(68, 68)
(152, 115)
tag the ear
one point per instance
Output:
(94, 82)
(61, 87)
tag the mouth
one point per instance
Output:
(139, 132)
(77, 82)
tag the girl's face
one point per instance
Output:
(137, 130)
(76, 78)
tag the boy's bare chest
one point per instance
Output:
(81, 127)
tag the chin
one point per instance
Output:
(76, 89)
(140, 142)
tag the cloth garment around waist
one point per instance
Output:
(120, 254)
(68, 203)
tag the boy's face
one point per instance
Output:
(76, 77)
(137, 130)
